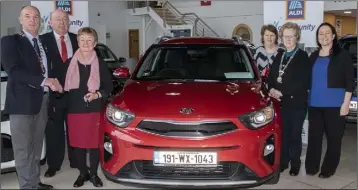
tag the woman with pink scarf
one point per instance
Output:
(88, 85)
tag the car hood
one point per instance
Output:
(207, 99)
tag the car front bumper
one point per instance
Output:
(241, 160)
(138, 181)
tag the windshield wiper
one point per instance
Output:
(175, 80)
(206, 80)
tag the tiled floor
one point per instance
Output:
(345, 177)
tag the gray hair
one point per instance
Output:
(51, 14)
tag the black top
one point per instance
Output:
(295, 81)
(75, 100)
(340, 70)
(23, 92)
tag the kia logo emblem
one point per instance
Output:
(186, 110)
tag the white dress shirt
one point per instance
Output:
(43, 55)
(67, 42)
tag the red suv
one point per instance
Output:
(188, 117)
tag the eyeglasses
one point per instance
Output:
(288, 37)
(61, 20)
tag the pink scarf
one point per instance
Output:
(73, 76)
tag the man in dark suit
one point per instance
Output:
(61, 46)
(25, 61)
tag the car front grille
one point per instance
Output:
(222, 170)
(187, 129)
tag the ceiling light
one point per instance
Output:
(347, 12)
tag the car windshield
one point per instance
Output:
(196, 62)
(351, 46)
(104, 53)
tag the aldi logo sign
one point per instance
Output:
(66, 6)
(295, 10)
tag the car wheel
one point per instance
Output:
(43, 161)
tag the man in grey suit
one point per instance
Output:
(24, 60)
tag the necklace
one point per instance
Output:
(283, 68)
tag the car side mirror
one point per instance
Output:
(121, 73)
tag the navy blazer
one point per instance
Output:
(24, 93)
(57, 69)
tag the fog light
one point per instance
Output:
(108, 147)
(269, 149)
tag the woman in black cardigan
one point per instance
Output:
(330, 95)
(289, 83)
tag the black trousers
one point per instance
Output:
(81, 155)
(292, 123)
(328, 121)
(55, 139)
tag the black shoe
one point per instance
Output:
(294, 171)
(311, 173)
(50, 172)
(81, 180)
(282, 169)
(324, 175)
(45, 186)
(97, 182)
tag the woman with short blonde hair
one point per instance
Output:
(288, 82)
(88, 85)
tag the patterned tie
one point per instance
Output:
(37, 50)
(63, 49)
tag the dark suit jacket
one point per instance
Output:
(24, 92)
(296, 80)
(340, 73)
(57, 68)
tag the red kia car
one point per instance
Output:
(188, 117)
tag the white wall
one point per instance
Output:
(224, 16)
(10, 12)
(113, 17)
(147, 37)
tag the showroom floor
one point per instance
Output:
(345, 177)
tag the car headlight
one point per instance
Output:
(257, 119)
(119, 117)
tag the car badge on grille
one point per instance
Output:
(186, 110)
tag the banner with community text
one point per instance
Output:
(307, 14)
(77, 10)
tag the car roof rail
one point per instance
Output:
(162, 38)
(238, 39)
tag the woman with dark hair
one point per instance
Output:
(265, 54)
(330, 95)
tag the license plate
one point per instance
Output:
(353, 105)
(169, 158)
